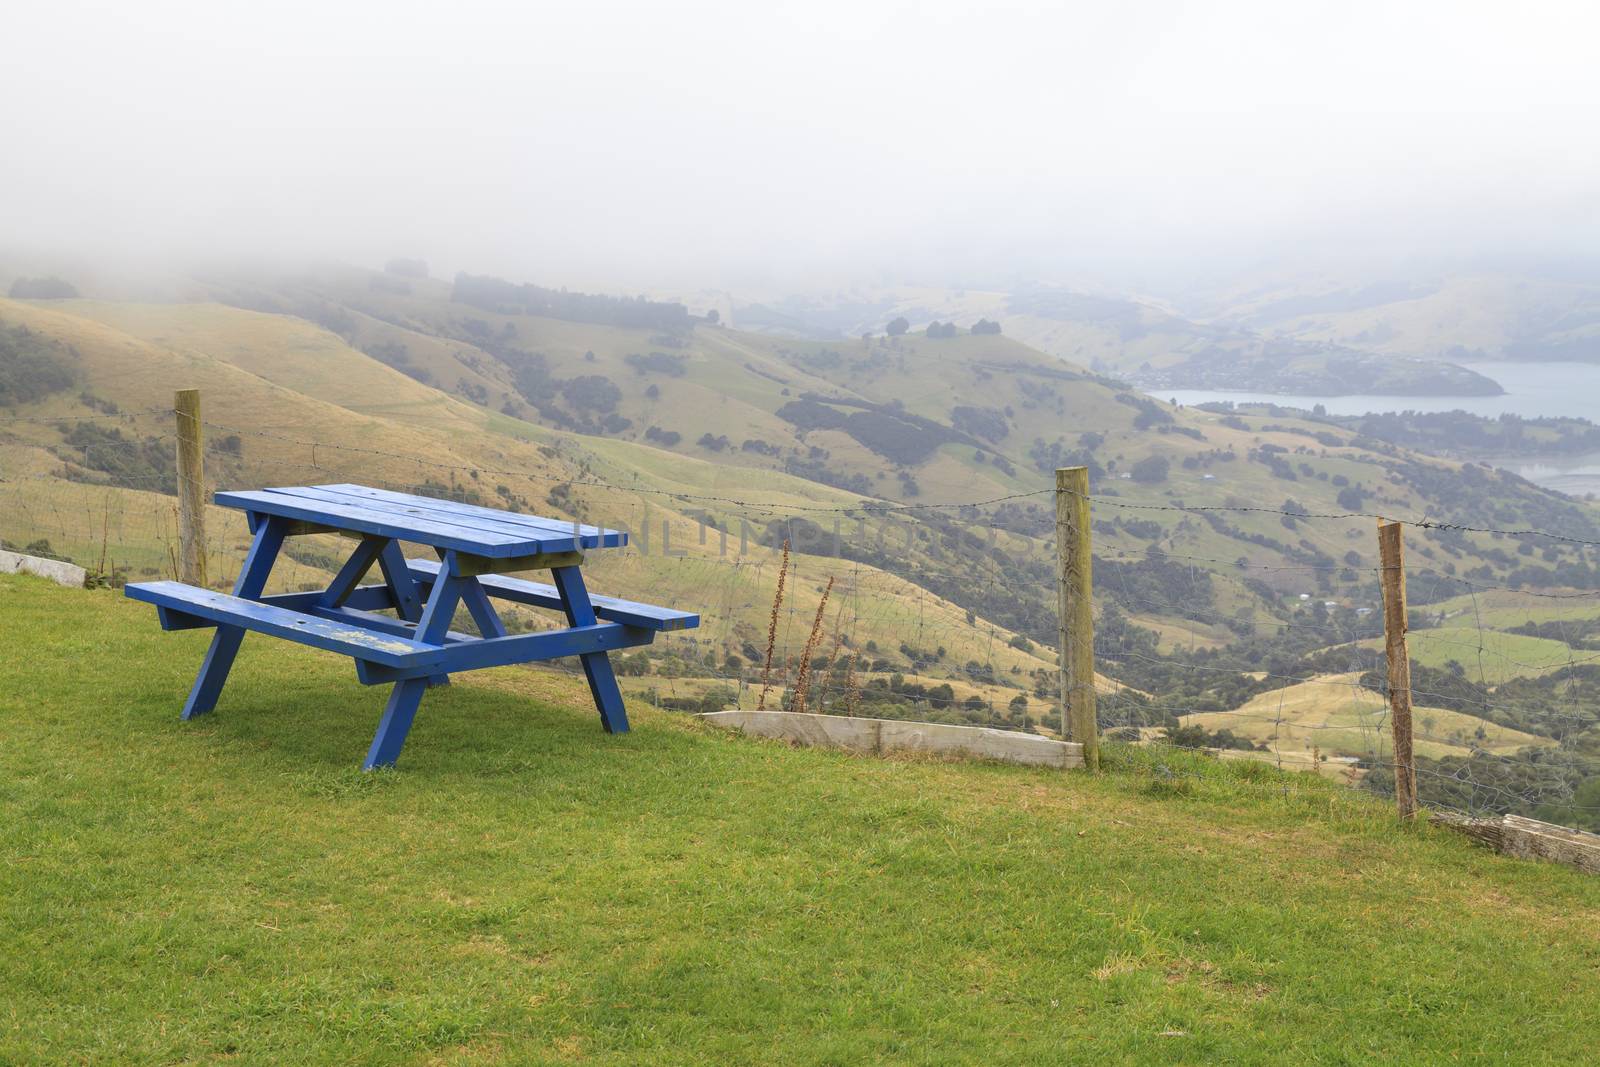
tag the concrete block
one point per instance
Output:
(1530, 839)
(879, 736)
(66, 574)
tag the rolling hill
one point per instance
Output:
(1142, 340)
(1463, 317)
(913, 469)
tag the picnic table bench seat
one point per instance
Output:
(183, 607)
(542, 595)
(415, 647)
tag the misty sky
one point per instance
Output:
(742, 143)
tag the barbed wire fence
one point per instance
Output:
(1245, 668)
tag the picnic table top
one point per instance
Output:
(424, 520)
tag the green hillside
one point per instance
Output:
(1233, 551)
(528, 889)
(921, 420)
(92, 486)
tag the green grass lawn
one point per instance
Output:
(526, 889)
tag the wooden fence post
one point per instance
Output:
(1075, 664)
(191, 489)
(1391, 554)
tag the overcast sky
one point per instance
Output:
(672, 144)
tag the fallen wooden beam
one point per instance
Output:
(879, 736)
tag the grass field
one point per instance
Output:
(1335, 716)
(1490, 656)
(526, 889)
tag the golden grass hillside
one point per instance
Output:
(1337, 717)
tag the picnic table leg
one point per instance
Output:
(478, 606)
(596, 665)
(407, 695)
(407, 601)
(354, 569)
(225, 641)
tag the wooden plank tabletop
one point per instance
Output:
(424, 520)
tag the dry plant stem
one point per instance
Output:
(850, 684)
(772, 629)
(838, 640)
(802, 684)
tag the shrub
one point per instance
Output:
(1150, 470)
(591, 392)
(42, 289)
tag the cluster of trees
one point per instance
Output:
(674, 366)
(592, 398)
(895, 434)
(664, 438)
(508, 298)
(714, 442)
(936, 329)
(51, 288)
(1556, 785)
(1150, 414)
(132, 463)
(1194, 736)
(1151, 470)
(987, 423)
(31, 367)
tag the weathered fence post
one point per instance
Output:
(1391, 555)
(1076, 646)
(191, 489)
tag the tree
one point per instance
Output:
(51, 288)
(984, 326)
(713, 316)
(1150, 469)
(591, 392)
(897, 327)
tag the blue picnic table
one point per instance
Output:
(415, 647)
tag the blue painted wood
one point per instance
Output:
(483, 613)
(407, 695)
(397, 576)
(472, 654)
(592, 536)
(177, 620)
(419, 645)
(395, 723)
(596, 666)
(355, 568)
(362, 598)
(540, 595)
(407, 597)
(486, 519)
(400, 527)
(382, 624)
(238, 614)
(218, 661)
